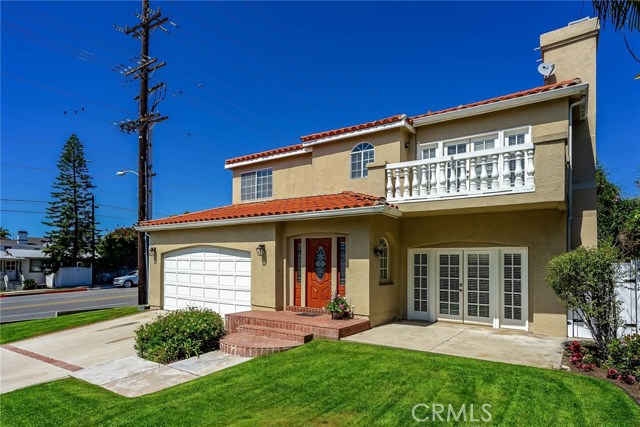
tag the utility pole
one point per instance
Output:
(149, 20)
(93, 238)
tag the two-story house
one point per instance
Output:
(449, 215)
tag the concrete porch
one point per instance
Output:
(476, 342)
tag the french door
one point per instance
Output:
(484, 285)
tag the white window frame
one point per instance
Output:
(361, 171)
(256, 193)
(384, 270)
(497, 285)
(500, 137)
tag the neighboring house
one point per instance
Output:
(449, 215)
(23, 257)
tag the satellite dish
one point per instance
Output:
(546, 69)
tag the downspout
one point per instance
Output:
(582, 100)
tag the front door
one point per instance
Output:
(11, 269)
(318, 289)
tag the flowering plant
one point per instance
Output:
(338, 304)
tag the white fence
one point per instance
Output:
(628, 288)
(70, 276)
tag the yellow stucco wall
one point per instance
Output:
(541, 231)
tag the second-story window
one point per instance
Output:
(256, 184)
(361, 155)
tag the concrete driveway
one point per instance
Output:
(476, 342)
(57, 355)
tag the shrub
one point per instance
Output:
(179, 335)
(584, 279)
(581, 357)
(624, 359)
(29, 284)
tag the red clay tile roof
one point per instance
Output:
(348, 129)
(327, 202)
(399, 117)
(520, 94)
(281, 150)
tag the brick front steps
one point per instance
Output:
(255, 333)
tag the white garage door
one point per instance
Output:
(215, 278)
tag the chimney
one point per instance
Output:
(572, 50)
(22, 237)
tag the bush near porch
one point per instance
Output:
(336, 384)
(179, 335)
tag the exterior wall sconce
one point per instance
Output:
(261, 250)
(379, 248)
(153, 252)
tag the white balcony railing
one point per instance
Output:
(495, 171)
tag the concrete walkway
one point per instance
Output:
(476, 342)
(102, 354)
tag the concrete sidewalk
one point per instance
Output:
(102, 354)
(476, 342)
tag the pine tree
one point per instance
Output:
(69, 214)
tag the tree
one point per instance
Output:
(584, 280)
(4, 233)
(618, 218)
(69, 213)
(623, 14)
(118, 249)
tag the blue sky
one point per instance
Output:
(244, 77)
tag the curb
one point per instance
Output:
(51, 291)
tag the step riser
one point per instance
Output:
(243, 351)
(277, 334)
(235, 321)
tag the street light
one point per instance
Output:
(148, 215)
(123, 172)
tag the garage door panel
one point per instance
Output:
(211, 294)
(243, 296)
(243, 266)
(243, 282)
(211, 266)
(215, 278)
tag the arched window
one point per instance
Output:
(361, 154)
(383, 250)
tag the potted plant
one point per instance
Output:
(339, 307)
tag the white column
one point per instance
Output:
(519, 172)
(463, 176)
(389, 184)
(484, 175)
(397, 184)
(506, 172)
(442, 180)
(495, 182)
(530, 168)
(433, 185)
(473, 176)
(424, 183)
(405, 184)
(415, 183)
(453, 187)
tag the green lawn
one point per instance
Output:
(336, 384)
(32, 328)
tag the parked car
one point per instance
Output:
(126, 281)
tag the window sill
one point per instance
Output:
(386, 283)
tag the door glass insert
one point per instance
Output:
(420, 283)
(478, 285)
(320, 263)
(512, 286)
(449, 286)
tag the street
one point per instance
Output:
(40, 306)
